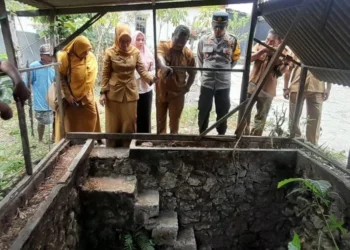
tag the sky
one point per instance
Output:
(246, 7)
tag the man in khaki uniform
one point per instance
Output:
(315, 94)
(173, 84)
(261, 57)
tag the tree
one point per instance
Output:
(172, 16)
(237, 24)
(202, 22)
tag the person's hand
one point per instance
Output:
(21, 92)
(167, 71)
(326, 96)
(70, 99)
(103, 99)
(155, 79)
(5, 111)
(286, 93)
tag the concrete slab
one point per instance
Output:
(166, 232)
(146, 206)
(108, 153)
(119, 184)
(186, 240)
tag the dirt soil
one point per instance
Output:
(25, 213)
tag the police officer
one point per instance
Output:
(216, 50)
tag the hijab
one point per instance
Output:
(83, 71)
(146, 55)
(120, 31)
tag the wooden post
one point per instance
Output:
(154, 12)
(30, 101)
(59, 96)
(10, 50)
(298, 108)
(267, 71)
(348, 165)
(224, 118)
(245, 79)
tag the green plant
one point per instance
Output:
(320, 190)
(172, 16)
(295, 243)
(138, 240)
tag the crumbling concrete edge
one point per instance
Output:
(34, 221)
(340, 180)
(81, 157)
(27, 186)
(66, 180)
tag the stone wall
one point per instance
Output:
(230, 198)
(55, 224)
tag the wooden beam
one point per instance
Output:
(224, 118)
(246, 73)
(129, 7)
(167, 137)
(273, 49)
(76, 33)
(262, 80)
(207, 69)
(11, 54)
(300, 99)
(34, 68)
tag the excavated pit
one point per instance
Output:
(185, 195)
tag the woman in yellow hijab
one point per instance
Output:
(78, 72)
(119, 92)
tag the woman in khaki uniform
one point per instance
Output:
(119, 90)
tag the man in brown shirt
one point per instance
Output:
(315, 93)
(261, 57)
(173, 84)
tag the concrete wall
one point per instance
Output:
(26, 48)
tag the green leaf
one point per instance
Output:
(128, 242)
(334, 224)
(321, 186)
(296, 190)
(295, 243)
(287, 181)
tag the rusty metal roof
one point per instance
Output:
(322, 38)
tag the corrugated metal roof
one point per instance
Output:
(322, 38)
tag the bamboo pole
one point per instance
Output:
(30, 102)
(245, 78)
(7, 35)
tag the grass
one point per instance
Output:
(11, 154)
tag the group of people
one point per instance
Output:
(128, 80)
(315, 93)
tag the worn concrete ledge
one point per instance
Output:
(109, 153)
(82, 156)
(310, 167)
(27, 186)
(136, 149)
